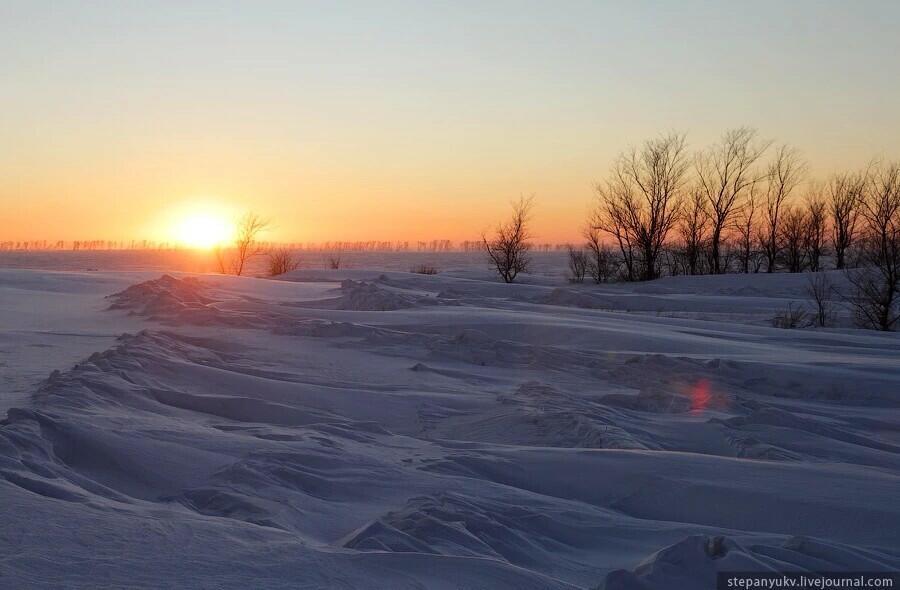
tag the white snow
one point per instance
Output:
(372, 428)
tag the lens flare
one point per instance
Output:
(700, 395)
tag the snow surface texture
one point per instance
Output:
(369, 429)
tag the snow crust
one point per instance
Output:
(372, 429)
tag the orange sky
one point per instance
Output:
(421, 121)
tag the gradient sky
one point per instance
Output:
(407, 120)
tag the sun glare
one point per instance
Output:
(203, 230)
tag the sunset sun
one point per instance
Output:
(203, 230)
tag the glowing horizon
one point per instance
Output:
(203, 229)
(414, 122)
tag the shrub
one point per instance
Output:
(578, 265)
(821, 291)
(281, 261)
(424, 269)
(792, 317)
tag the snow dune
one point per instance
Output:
(369, 429)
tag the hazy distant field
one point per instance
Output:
(552, 263)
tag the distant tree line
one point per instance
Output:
(441, 245)
(734, 207)
(76, 245)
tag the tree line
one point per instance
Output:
(735, 206)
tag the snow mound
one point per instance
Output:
(362, 296)
(163, 296)
(537, 414)
(568, 297)
(454, 524)
(523, 531)
(369, 296)
(477, 347)
(316, 328)
(693, 563)
(179, 302)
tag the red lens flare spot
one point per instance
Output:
(700, 395)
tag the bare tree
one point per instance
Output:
(793, 238)
(578, 264)
(729, 252)
(724, 174)
(641, 199)
(821, 291)
(877, 285)
(610, 216)
(221, 259)
(784, 174)
(508, 249)
(600, 264)
(745, 224)
(672, 262)
(246, 242)
(816, 222)
(693, 228)
(845, 192)
(246, 245)
(281, 261)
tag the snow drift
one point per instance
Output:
(364, 434)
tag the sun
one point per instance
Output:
(203, 230)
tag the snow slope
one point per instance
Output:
(372, 429)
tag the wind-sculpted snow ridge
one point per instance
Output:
(370, 296)
(176, 301)
(261, 434)
(130, 435)
(448, 524)
(165, 295)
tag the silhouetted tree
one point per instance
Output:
(601, 265)
(578, 264)
(508, 249)
(693, 227)
(845, 192)
(724, 174)
(793, 238)
(246, 242)
(876, 300)
(784, 174)
(641, 200)
(610, 216)
(745, 225)
(221, 257)
(816, 226)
